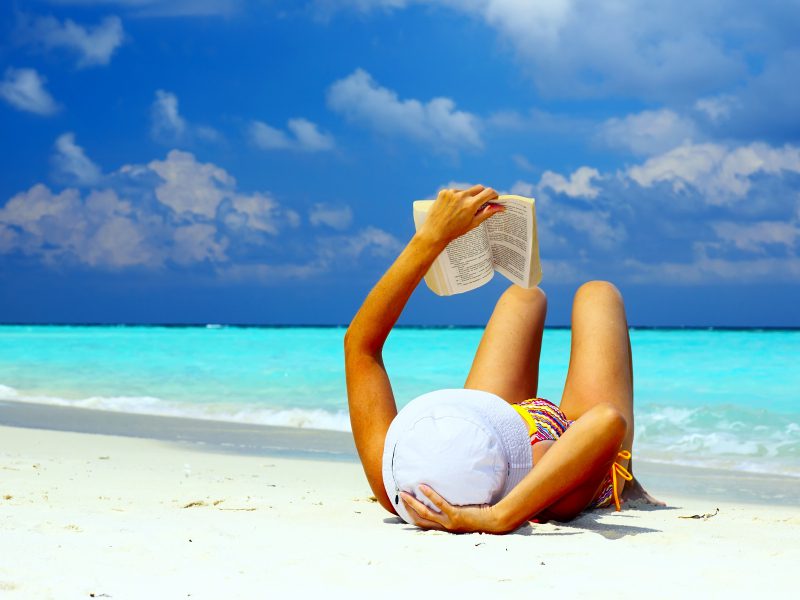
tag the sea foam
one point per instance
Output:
(148, 405)
(723, 437)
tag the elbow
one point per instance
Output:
(355, 344)
(348, 339)
(358, 341)
(352, 338)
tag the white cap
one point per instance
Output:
(470, 446)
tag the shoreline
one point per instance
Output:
(132, 517)
(242, 439)
(223, 436)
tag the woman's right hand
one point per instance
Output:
(458, 519)
(455, 212)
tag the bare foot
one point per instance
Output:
(634, 492)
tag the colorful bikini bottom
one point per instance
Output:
(547, 422)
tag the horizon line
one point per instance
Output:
(172, 325)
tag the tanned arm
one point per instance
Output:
(369, 392)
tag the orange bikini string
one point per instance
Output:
(623, 472)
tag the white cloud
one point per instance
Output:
(71, 163)
(180, 212)
(596, 225)
(682, 165)
(166, 119)
(436, 123)
(758, 237)
(37, 204)
(24, 89)
(522, 188)
(189, 187)
(195, 190)
(628, 228)
(720, 172)
(261, 212)
(303, 135)
(579, 48)
(648, 132)
(93, 45)
(350, 247)
(118, 242)
(561, 223)
(579, 184)
(329, 251)
(100, 229)
(522, 162)
(267, 137)
(198, 243)
(168, 126)
(567, 270)
(172, 211)
(267, 273)
(308, 136)
(704, 270)
(680, 54)
(337, 217)
(542, 21)
(716, 108)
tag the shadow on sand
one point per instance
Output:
(590, 522)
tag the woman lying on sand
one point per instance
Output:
(492, 455)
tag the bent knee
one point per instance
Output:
(533, 296)
(612, 420)
(598, 289)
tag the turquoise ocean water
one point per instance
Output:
(715, 398)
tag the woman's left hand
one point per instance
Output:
(458, 519)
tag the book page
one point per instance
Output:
(465, 264)
(468, 261)
(512, 237)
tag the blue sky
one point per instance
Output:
(255, 162)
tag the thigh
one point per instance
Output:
(600, 365)
(507, 360)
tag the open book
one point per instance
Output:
(506, 242)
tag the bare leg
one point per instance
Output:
(507, 360)
(600, 365)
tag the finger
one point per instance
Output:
(486, 195)
(488, 211)
(422, 510)
(437, 500)
(421, 522)
(444, 193)
(475, 189)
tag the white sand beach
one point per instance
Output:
(87, 515)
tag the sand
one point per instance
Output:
(89, 515)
